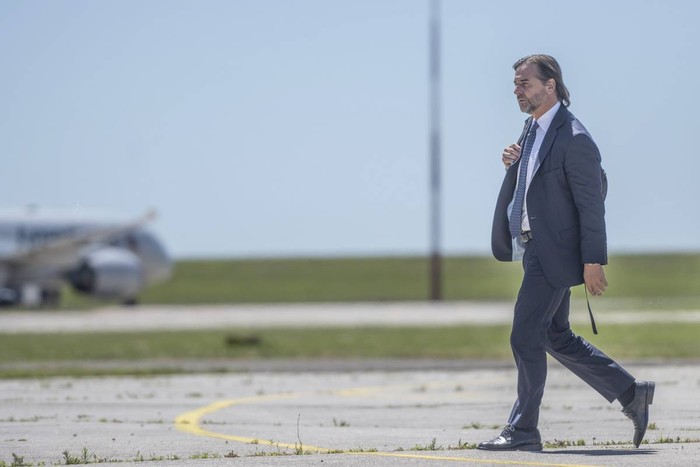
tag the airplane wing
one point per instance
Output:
(69, 246)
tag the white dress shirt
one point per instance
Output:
(544, 122)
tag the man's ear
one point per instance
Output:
(551, 85)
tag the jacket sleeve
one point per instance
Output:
(501, 243)
(584, 174)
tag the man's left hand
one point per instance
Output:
(594, 277)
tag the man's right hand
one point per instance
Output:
(594, 277)
(510, 155)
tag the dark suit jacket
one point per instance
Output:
(565, 204)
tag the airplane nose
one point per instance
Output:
(157, 264)
(162, 268)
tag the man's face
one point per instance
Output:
(531, 92)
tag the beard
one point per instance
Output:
(526, 106)
(529, 104)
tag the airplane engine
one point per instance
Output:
(109, 273)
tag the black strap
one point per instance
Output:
(590, 313)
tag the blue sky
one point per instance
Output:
(291, 128)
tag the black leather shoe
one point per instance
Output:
(638, 409)
(514, 439)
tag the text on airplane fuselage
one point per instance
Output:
(41, 235)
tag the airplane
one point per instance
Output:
(41, 251)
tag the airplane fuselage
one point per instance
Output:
(97, 257)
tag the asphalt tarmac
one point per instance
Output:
(337, 414)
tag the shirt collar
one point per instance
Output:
(546, 119)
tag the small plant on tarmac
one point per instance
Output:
(298, 449)
(429, 447)
(17, 461)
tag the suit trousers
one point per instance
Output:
(541, 326)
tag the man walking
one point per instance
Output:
(550, 213)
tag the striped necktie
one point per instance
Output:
(516, 214)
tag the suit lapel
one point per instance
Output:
(523, 134)
(558, 120)
(512, 174)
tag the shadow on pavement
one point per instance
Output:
(602, 452)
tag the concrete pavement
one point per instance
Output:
(358, 418)
(329, 412)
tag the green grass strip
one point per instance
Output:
(655, 280)
(643, 341)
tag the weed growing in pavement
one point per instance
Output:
(461, 446)
(85, 457)
(428, 447)
(652, 426)
(155, 458)
(298, 449)
(269, 454)
(272, 442)
(664, 439)
(340, 422)
(660, 440)
(558, 443)
(433, 446)
(17, 461)
(35, 418)
(205, 455)
(212, 422)
(668, 439)
(479, 425)
(614, 443)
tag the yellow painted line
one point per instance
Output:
(358, 392)
(189, 422)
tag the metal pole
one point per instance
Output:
(435, 137)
